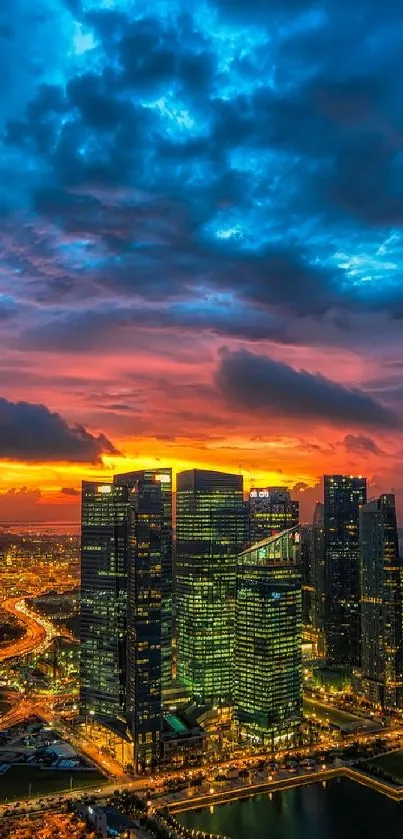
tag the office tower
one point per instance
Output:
(271, 511)
(104, 517)
(145, 554)
(120, 623)
(343, 497)
(318, 552)
(381, 604)
(308, 577)
(267, 659)
(164, 478)
(210, 532)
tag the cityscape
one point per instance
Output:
(195, 645)
(201, 419)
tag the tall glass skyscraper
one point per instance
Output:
(267, 659)
(121, 594)
(144, 619)
(318, 550)
(344, 495)
(381, 604)
(210, 532)
(308, 577)
(164, 478)
(104, 516)
(271, 511)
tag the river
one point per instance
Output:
(341, 810)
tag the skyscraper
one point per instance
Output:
(267, 659)
(343, 497)
(145, 554)
(164, 478)
(271, 511)
(210, 532)
(104, 516)
(381, 604)
(318, 559)
(308, 577)
(121, 592)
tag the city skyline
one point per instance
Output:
(201, 417)
(201, 245)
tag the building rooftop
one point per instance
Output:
(270, 540)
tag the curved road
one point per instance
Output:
(39, 633)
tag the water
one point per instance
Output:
(342, 810)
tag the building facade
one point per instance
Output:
(271, 511)
(144, 620)
(267, 661)
(308, 577)
(210, 532)
(381, 604)
(123, 528)
(343, 496)
(104, 516)
(318, 561)
(164, 478)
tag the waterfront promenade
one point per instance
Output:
(248, 790)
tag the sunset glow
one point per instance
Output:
(201, 247)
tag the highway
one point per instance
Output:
(39, 631)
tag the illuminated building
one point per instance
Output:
(318, 561)
(271, 511)
(164, 477)
(120, 622)
(267, 658)
(308, 576)
(343, 497)
(145, 553)
(381, 604)
(103, 607)
(210, 532)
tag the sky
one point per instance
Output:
(201, 243)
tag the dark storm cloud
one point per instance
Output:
(151, 56)
(361, 444)
(254, 382)
(70, 491)
(169, 163)
(31, 432)
(125, 327)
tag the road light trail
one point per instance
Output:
(39, 634)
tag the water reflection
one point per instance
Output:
(338, 810)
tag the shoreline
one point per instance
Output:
(226, 796)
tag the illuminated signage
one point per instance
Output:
(105, 489)
(261, 493)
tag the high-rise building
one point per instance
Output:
(318, 560)
(271, 511)
(210, 532)
(104, 515)
(267, 659)
(381, 604)
(121, 594)
(144, 613)
(164, 478)
(344, 495)
(308, 577)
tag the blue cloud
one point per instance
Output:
(247, 148)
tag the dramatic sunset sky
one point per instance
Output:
(201, 243)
